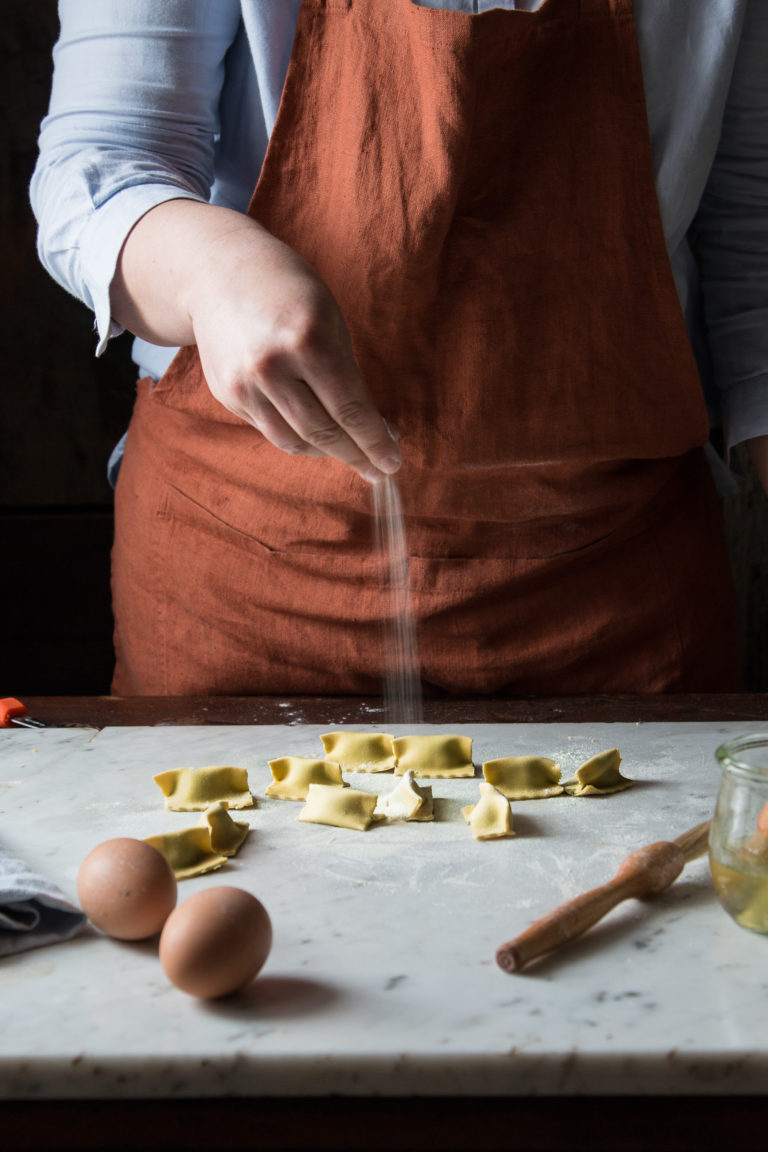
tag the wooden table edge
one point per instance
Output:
(707, 1123)
(103, 711)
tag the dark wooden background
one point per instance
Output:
(62, 410)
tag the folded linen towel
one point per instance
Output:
(33, 911)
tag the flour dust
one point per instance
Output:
(402, 679)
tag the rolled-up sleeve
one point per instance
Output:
(731, 239)
(132, 122)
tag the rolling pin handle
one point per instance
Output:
(507, 957)
(643, 873)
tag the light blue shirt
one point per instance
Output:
(152, 101)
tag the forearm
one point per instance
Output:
(167, 258)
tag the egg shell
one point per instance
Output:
(126, 888)
(215, 942)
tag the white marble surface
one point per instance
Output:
(382, 977)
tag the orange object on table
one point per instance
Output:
(14, 714)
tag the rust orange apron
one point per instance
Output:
(477, 191)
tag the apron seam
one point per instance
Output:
(162, 521)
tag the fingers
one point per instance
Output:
(356, 423)
(328, 408)
(290, 414)
(316, 387)
(304, 393)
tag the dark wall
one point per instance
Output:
(746, 522)
(61, 411)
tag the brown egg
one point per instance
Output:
(126, 888)
(215, 942)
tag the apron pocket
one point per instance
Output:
(182, 508)
(241, 618)
(600, 620)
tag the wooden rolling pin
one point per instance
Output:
(643, 873)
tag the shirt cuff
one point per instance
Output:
(745, 411)
(102, 242)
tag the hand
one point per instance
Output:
(272, 341)
(758, 452)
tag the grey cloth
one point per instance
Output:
(33, 911)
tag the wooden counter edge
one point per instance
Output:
(383, 1124)
(103, 711)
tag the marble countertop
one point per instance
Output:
(382, 978)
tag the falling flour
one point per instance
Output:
(402, 679)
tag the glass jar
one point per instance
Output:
(738, 837)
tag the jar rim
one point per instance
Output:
(732, 754)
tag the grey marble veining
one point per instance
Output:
(382, 977)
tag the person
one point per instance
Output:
(514, 255)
